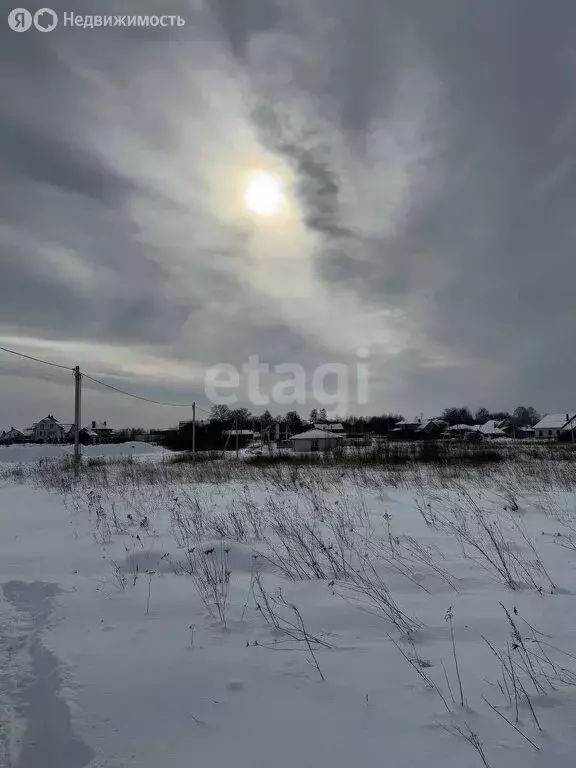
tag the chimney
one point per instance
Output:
(567, 417)
(93, 424)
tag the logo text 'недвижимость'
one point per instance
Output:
(46, 20)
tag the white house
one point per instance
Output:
(48, 430)
(315, 440)
(552, 425)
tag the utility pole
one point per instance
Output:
(236, 430)
(77, 417)
(193, 431)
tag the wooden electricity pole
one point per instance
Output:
(193, 431)
(77, 417)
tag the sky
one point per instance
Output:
(426, 152)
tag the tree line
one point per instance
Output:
(522, 416)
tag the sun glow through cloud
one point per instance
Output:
(264, 194)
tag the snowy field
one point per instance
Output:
(228, 616)
(15, 454)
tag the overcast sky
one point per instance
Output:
(428, 150)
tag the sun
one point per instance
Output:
(264, 194)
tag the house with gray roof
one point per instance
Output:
(553, 425)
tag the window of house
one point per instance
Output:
(549, 433)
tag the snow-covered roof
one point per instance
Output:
(48, 418)
(461, 428)
(555, 420)
(332, 427)
(490, 428)
(431, 423)
(315, 434)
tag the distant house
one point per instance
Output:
(14, 435)
(91, 435)
(48, 430)
(418, 429)
(491, 429)
(405, 430)
(86, 436)
(315, 440)
(525, 432)
(327, 426)
(459, 430)
(103, 431)
(431, 429)
(552, 426)
(68, 430)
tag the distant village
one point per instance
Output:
(229, 430)
(50, 430)
(316, 434)
(329, 435)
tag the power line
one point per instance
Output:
(36, 359)
(137, 397)
(102, 383)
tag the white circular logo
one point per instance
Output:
(19, 20)
(45, 20)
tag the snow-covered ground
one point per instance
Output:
(327, 639)
(15, 454)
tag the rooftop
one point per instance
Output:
(490, 428)
(101, 425)
(315, 434)
(330, 427)
(555, 420)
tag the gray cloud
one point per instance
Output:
(47, 160)
(431, 149)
